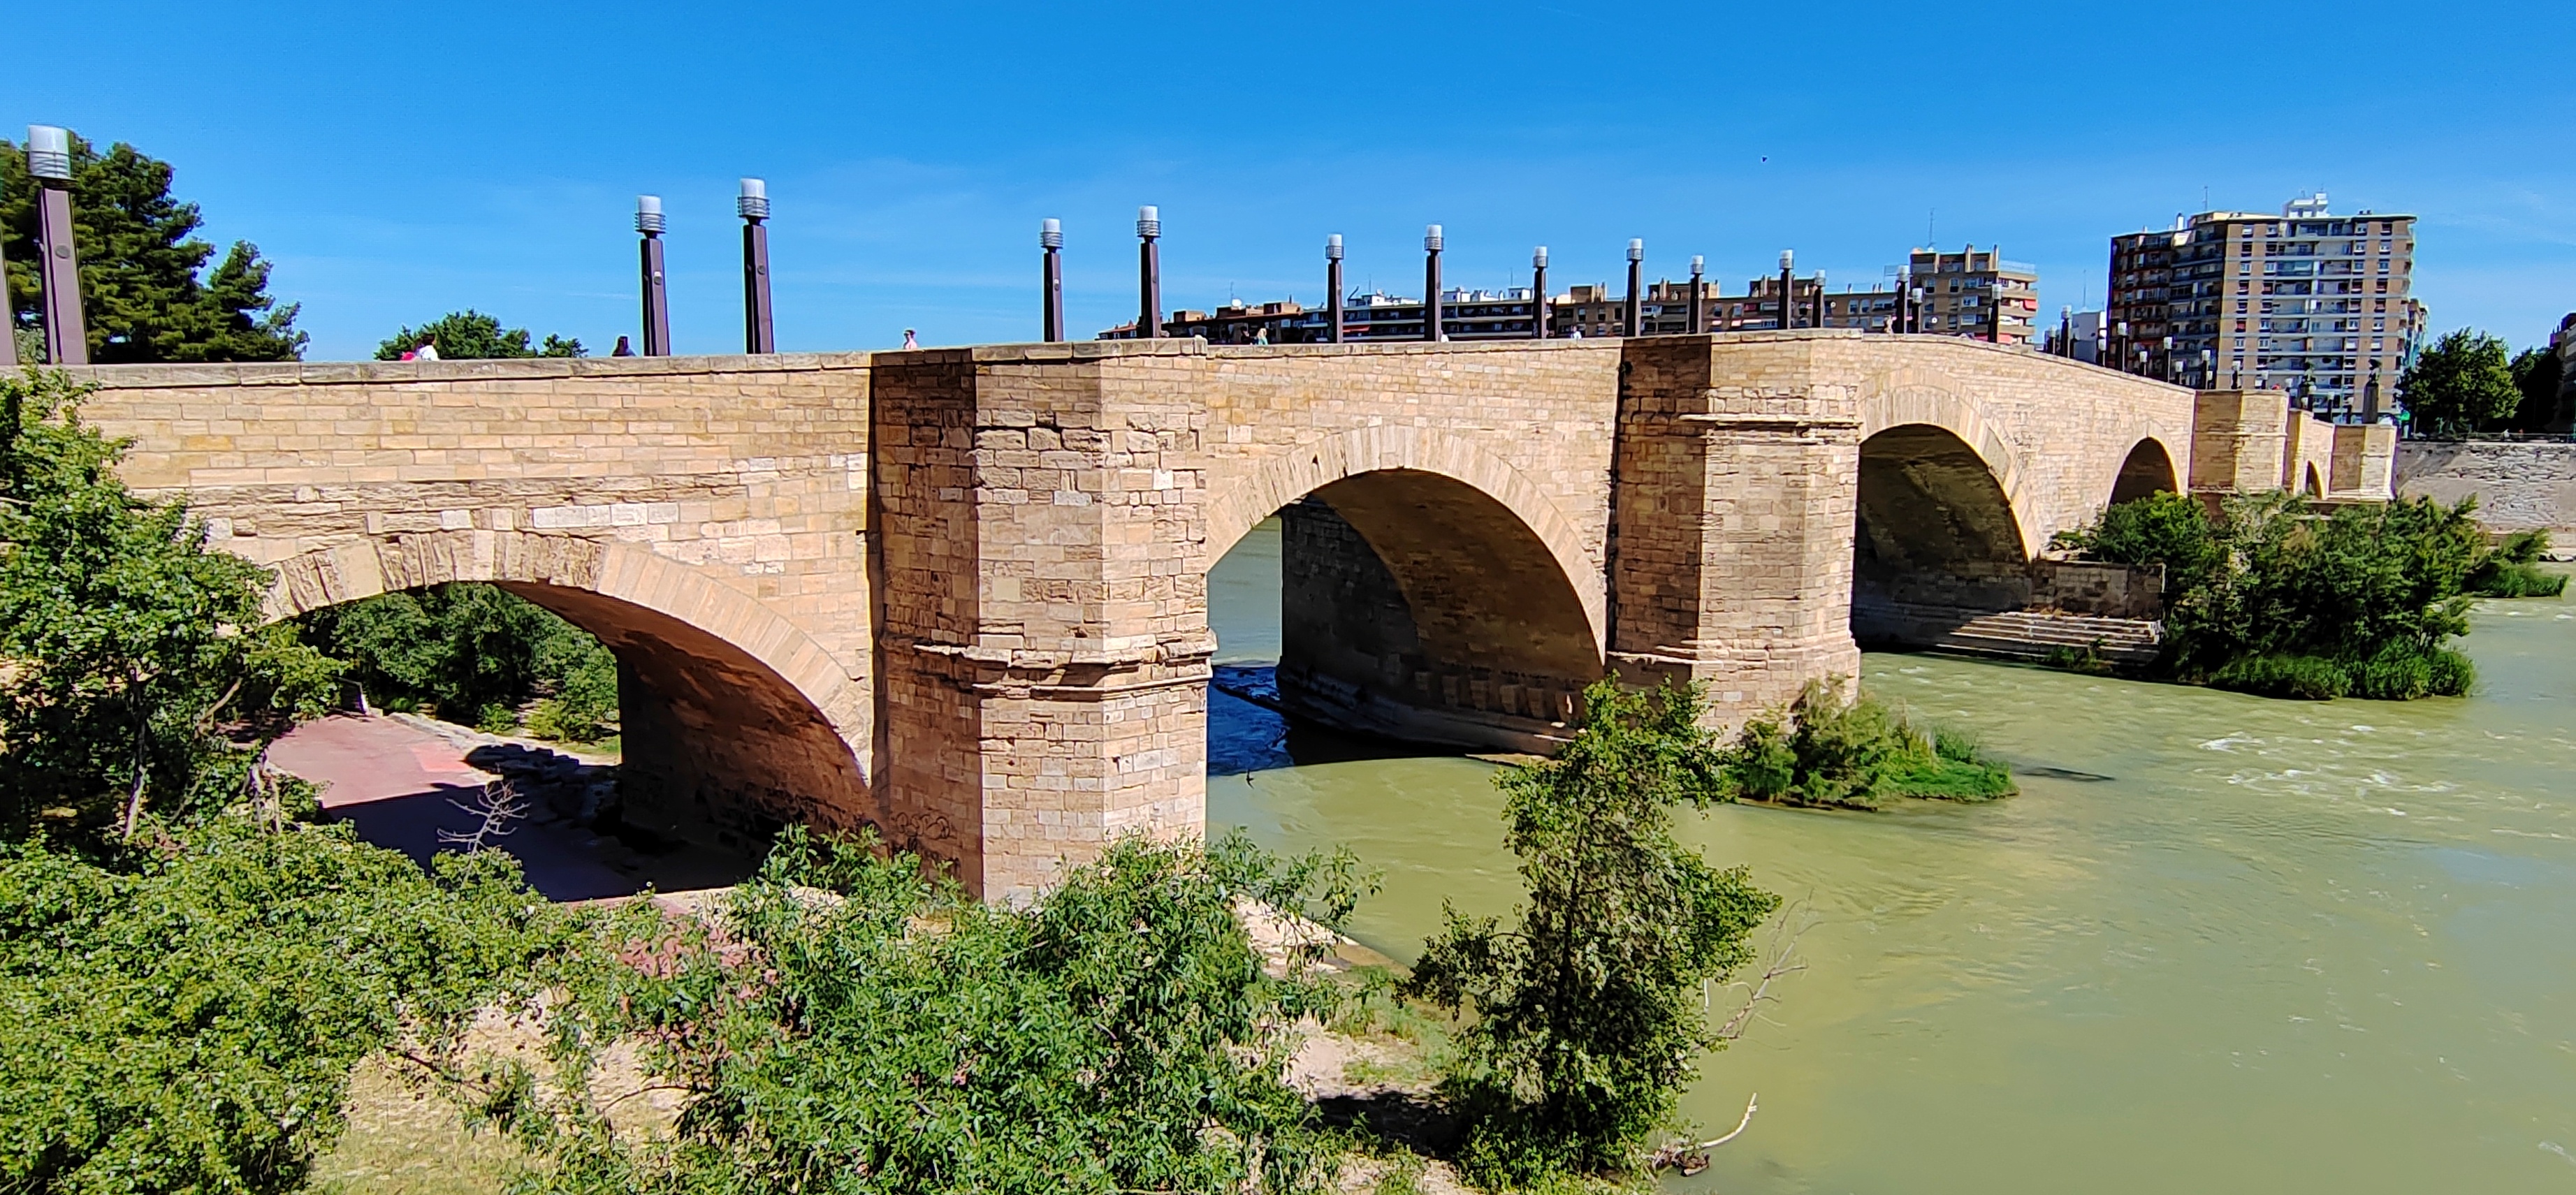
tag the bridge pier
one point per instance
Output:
(1044, 654)
(1731, 551)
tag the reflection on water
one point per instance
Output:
(2218, 944)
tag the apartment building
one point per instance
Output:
(2305, 301)
(1976, 294)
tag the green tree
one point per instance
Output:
(1588, 1019)
(125, 641)
(470, 334)
(145, 292)
(852, 1024)
(473, 653)
(2537, 374)
(2460, 384)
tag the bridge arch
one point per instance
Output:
(2148, 469)
(735, 720)
(1428, 591)
(1926, 397)
(1287, 476)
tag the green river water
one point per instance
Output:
(2219, 943)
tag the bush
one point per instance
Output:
(1588, 1018)
(2309, 678)
(187, 1019)
(1824, 751)
(2170, 529)
(851, 1024)
(1821, 751)
(2282, 601)
(2517, 581)
(2512, 569)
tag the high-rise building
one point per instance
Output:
(2309, 302)
(1976, 294)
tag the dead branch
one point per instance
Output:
(1793, 925)
(497, 808)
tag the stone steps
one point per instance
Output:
(2026, 635)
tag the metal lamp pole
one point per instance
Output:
(1788, 287)
(1333, 283)
(657, 300)
(1698, 296)
(1431, 314)
(758, 335)
(1051, 280)
(1149, 272)
(1636, 281)
(49, 159)
(1538, 293)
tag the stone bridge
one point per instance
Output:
(961, 594)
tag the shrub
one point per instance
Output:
(1588, 1018)
(2310, 678)
(2512, 569)
(2453, 673)
(187, 1019)
(851, 1023)
(2269, 597)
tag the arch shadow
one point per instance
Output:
(2148, 469)
(1290, 475)
(735, 722)
(1937, 537)
(1420, 608)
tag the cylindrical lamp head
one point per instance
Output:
(1051, 234)
(1149, 221)
(1333, 247)
(1636, 249)
(1538, 258)
(1431, 238)
(1699, 265)
(49, 152)
(648, 213)
(753, 202)
(1788, 259)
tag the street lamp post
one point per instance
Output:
(1051, 280)
(1698, 297)
(657, 300)
(1820, 301)
(49, 160)
(1538, 293)
(1333, 282)
(1149, 272)
(1636, 282)
(1431, 318)
(758, 333)
(1788, 287)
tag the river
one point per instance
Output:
(2218, 943)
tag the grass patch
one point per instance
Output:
(1956, 768)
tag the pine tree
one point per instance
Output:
(142, 290)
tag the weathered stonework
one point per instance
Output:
(2519, 486)
(961, 594)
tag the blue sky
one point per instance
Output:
(400, 162)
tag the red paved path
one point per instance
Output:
(395, 783)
